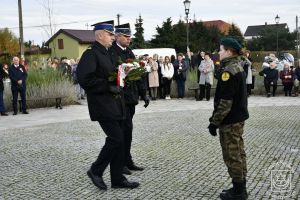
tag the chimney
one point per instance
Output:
(266, 23)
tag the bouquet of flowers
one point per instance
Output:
(129, 71)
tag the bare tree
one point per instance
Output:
(51, 28)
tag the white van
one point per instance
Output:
(160, 51)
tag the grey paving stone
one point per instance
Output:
(49, 161)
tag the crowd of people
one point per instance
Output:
(161, 71)
(274, 69)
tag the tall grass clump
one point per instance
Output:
(191, 82)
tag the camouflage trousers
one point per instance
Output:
(234, 155)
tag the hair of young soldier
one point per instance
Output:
(234, 51)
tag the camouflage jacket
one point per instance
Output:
(230, 102)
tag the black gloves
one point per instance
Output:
(147, 101)
(212, 129)
(114, 89)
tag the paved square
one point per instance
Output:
(45, 155)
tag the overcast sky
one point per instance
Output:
(77, 13)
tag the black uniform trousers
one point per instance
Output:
(15, 92)
(128, 127)
(112, 152)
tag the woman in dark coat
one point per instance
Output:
(3, 74)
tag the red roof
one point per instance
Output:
(221, 25)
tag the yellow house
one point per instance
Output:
(70, 43)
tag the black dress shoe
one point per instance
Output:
(25, 112)
(135, 168)
(15, 113)
(97, 180)
(126, 184)
(4, 114)
(126, 171)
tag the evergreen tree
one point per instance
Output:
(267, 41)
(201, 37)
(180, 36)
(138, 42)
(236, 33)
(165, 35)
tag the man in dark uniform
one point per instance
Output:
(106, 105)
(18, 75)
(229, 115)
(121, 51)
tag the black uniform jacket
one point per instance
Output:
(131, 88)
(93, 72)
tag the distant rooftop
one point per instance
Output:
(221, 25)
(256, 30)
(82, 36)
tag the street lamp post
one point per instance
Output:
(277, 18)
(187, 4)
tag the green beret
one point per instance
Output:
(230, 42)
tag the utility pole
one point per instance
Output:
(87, 26)
(21, 40)
(118, 17)
(298, 41)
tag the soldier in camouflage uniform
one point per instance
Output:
(230, 112)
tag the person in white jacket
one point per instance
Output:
(167, 71)
(206, 69)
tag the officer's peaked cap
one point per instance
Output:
(124, 29)
(107, 26)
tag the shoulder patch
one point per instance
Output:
(225, 76)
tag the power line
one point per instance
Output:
(47, 25)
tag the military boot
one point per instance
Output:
(238, 192)
(244, 188)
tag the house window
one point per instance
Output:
(60, 43)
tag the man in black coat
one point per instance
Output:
(121, 51)
(106, 105)
(18, 75)
(270, 78)
(180, 70)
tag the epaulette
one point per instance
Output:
(234, 68)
